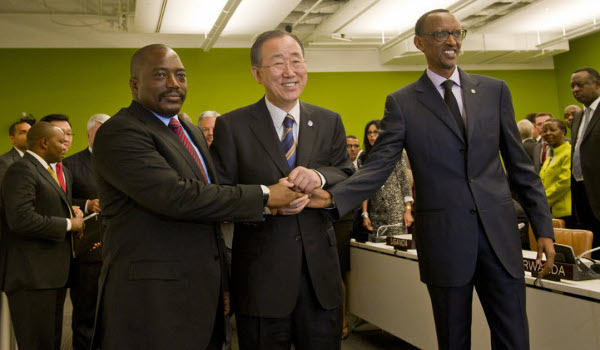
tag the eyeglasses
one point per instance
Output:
(281, 66)
(442, 35)
(373, 132)
(352, 146)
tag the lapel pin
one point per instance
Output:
(472, 91)
(310, 123)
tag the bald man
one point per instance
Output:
(36, 245)
(570, 113)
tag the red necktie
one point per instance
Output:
(543, 152)
(61, 176)
(178, 130)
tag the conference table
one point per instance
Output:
(384, 288)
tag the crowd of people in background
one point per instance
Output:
(127, 183)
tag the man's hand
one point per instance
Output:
(293, 208)
(281, 195)
(367, 224)
(77, 225)
(319, 199)
(226, 303)
(77, 211)
(93, 206)
(408, 218)
(304, 180)
(545, 245)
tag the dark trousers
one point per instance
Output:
(585, 215)
(502, 298)
(37, 317)
(308, 327)
(84, 293)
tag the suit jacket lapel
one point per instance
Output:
(88, 160)
(264, 130)
(46, 175)
(306, 135)
(591, 124)
(432, 100)
(168, 136)
(471, 101)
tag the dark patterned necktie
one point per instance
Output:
(287, 141)
(453, 104)
(178, 130)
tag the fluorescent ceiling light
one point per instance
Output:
(391, 17)
(549, 16)
(191, 16)
(257, 16)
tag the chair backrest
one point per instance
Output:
(580, 240)
(556, 223)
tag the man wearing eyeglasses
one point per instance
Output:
(453, 125)
(286, 281)
(353, 147)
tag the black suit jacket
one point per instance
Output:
(162, 273)
(534, 151)
(35, 243)
(590, 166)
(84, 188)
(458, 181)
(267, 258)
(7, 159)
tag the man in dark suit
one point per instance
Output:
(465, 225)
(86, 266)
(163, 274)
(17, 135)
(585, 180)
(37, 228)
(255, 144)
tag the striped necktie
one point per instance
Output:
(60, 176)
(287, 141)
(178, 130)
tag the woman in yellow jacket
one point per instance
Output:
(556, 170)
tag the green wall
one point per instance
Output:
(583, 52)
(82, 82)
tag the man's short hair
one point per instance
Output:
(255, 56)
(351, 137)
(543, 114)
(12, 129)
(421, 21)
(39, 131)
(208, 114)
(56, 118)
(140, 54)
(95, 119)
(591, 71)
(531, 117)
(525, 129)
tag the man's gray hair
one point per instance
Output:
(525, 129)
(208, 114)
(96, 118)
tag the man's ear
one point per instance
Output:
(418, 42)
(256, 74)
(11, 138)
(133, 85)
(44, 143)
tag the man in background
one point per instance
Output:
(353, 147)
(570, 113)
(17, 135)
(529, 144)
(206, 123)
(163, 283)
(585, 181)
(37, 229)
(85, 268)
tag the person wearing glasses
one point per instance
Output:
(354, 151)
(454, 127)
(286, 280)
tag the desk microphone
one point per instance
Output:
(593, 272)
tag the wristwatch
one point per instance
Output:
(364, 215)
(266, 193)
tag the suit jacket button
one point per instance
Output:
(298, 238)
(471, 179)
(473, 211)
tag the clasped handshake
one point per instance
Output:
(301, 189)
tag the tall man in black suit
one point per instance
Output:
(163, 275)
(453, 125)
(85, 269)
(286, 281)
(585, 180)
(37, 228)
(17, 135)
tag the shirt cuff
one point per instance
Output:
(85, 207)
(323, 182)
(68, 225)
(408, 199)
